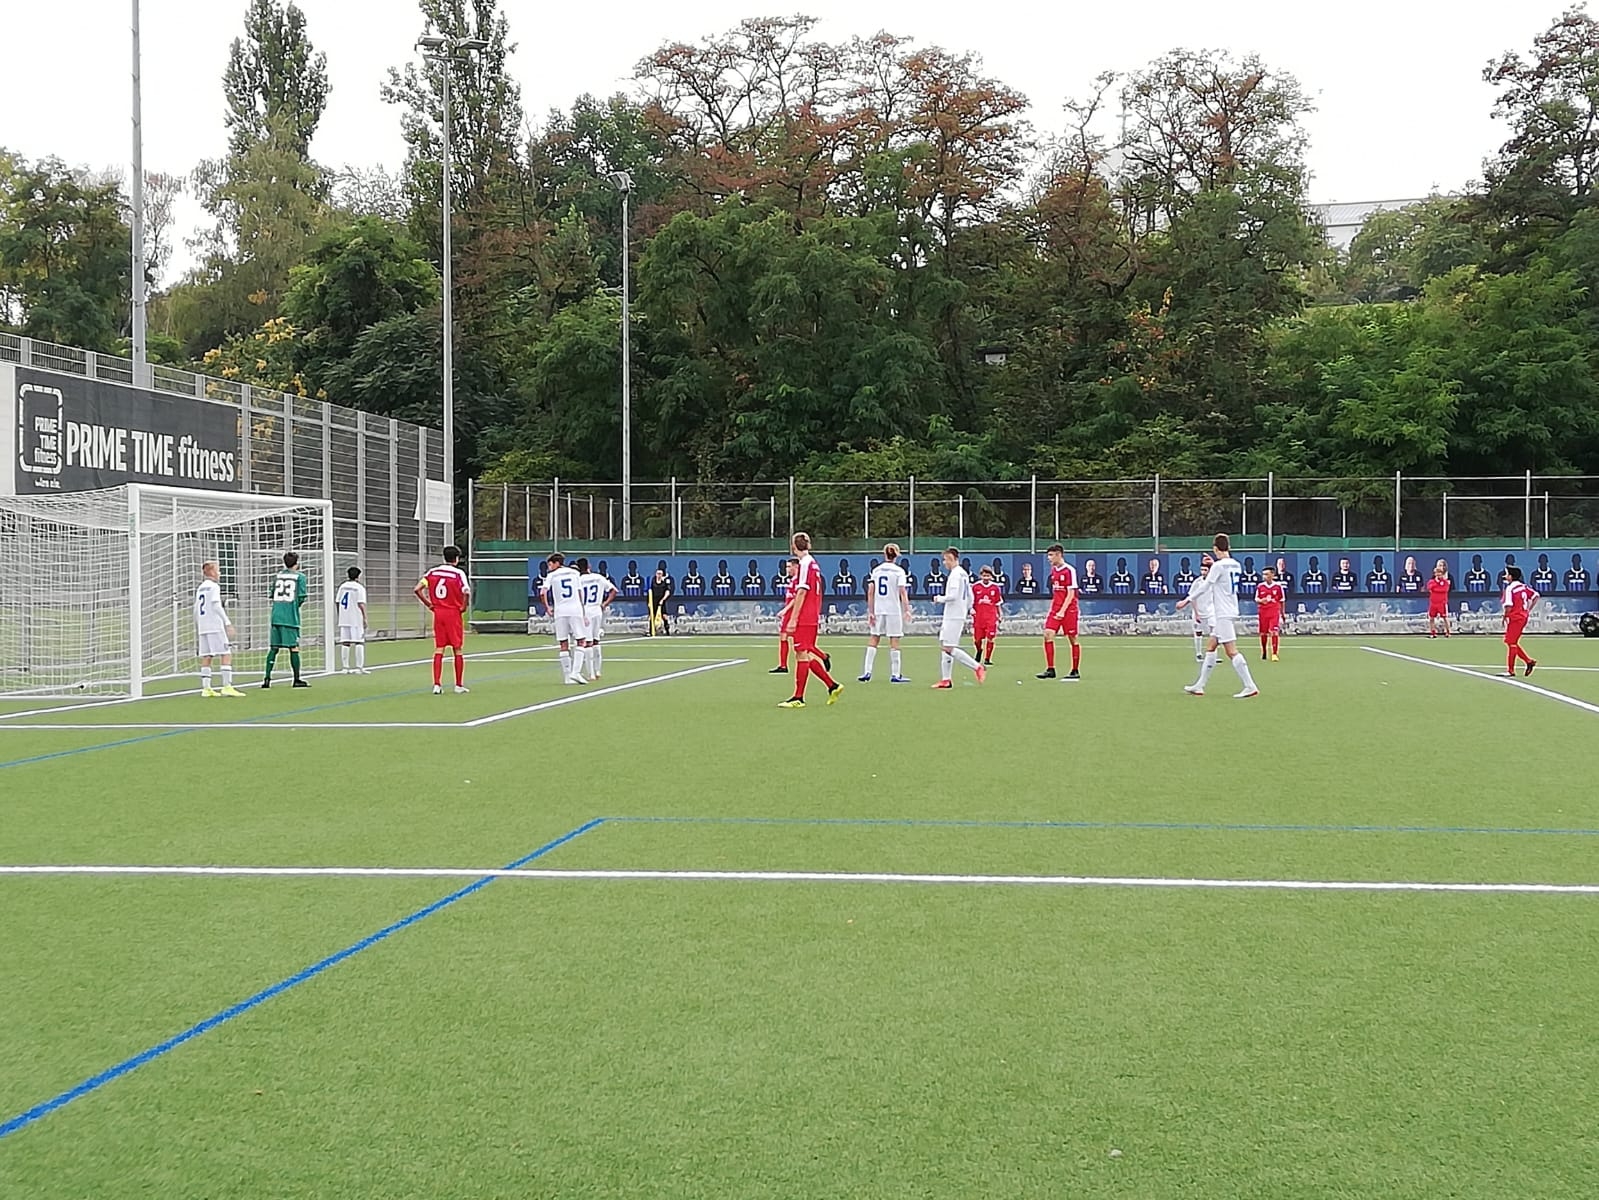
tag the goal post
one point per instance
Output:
(97, 587)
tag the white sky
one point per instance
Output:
(1402, 108)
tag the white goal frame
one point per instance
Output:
(140, 492)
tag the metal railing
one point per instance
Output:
(1273, 510)
(372, 468)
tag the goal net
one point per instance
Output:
(97, 588)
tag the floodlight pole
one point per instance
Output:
(623, 182)
(137, 194)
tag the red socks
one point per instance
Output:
(1274, 643)
(1049, 654)
(438, 668)
(1077, 655)
(782, 652)
(460, 669)
(821, 673)
(802, 673)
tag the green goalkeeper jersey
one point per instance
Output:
(288, 594)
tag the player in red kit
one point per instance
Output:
(783, 644)
(1519, 601)
(1271, 597)
(1438, 599)
(1062, 612)
(802, 621)
(445, 591)
(986, 601)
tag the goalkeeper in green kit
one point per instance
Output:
(289, 591)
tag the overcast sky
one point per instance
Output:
(1401, 106)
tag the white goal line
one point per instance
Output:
(1111, 881)
(266, 721)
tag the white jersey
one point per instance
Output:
(209, 615)
(886, 588)
(1221, 585)
(957, 597)
(349, 600)
(561, 589)
(1203, 601)
(594, 589)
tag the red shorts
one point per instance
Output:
(448, 631)
(1514, 630)
(982, 630)
(1065, 623)
(804, 637)
(1437, 610)
(1271, 620)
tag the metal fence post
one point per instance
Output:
(1032, 518)
(1271, 504)
(673, 514)
(1154, 513)
(960, 516)
(910, 540)
(1399, 504)
(555, 513)
(773, 532)
(866, 518)
(471, 514)
(1527, 529)
(1243, 524)
(1446, 516)
(791, 508)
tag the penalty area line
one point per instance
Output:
(577, 697)
(1520, 684)
(1107, 881)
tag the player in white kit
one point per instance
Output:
(957, 602)
(888, 607)
(1204, 608)
(597, 592)
(351, 603)
(215, 632)
(563, 597)
(1220, 584)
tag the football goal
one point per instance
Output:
(97, 588)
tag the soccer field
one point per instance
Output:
(1028, 939)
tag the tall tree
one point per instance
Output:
(64, 272)
(274, 80)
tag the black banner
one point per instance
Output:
(75, 434)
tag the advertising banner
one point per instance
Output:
(70, 434)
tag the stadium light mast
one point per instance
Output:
(136, 192)
(623, 182)
(447, 51)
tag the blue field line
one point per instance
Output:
(1192, 826)
(95, 1082)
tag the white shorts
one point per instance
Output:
(1222, 630)
(571, 629)
(352, 633)
(213, 645)
(1202, 626)
(889, 624)
(952, 631)
(596, 620)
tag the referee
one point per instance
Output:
(660, 595)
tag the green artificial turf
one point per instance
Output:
(694, 1038)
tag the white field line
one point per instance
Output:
(1115, 881)
(1522, 684)
(267, 723)
(1495, 666)
(604, 691)
(414, 662)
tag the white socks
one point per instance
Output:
(566, 665)
(965, 660)
(946, 666)
(227, 676)
(871, 658)
(1199, 646)
(344, 656)
(1241, 665)
(360, 656)
(1205, 668)
(893, 662)
(205, 679)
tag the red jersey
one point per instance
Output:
(1270, 596)
(808, 587)
(1438, 591)
(986, 598)
(1062, 581)
(1518, 600)
(448, 589)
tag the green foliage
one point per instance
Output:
(274, 79)
(64, 266)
